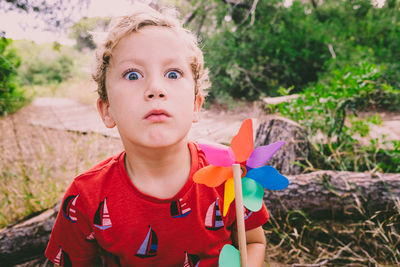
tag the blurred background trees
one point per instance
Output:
(255, 47)
(11, 98)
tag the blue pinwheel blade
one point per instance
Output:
(268, 177)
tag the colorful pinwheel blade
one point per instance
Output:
(242, 144)
(260, 156)
(212, 176)
(229, 195)
(229, 257)
(253, 194)
(218, 156)
(268, 177)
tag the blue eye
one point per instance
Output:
(133, 75)
(173, 74)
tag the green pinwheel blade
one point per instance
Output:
(253, 194)
(229, 257)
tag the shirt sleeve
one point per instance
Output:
(256, 219)
(72, 240)
(252, 219)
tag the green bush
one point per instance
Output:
(44, 64)
(284, 47)
(329, 112)
(11, 98)
(45, 72)
(297, 46)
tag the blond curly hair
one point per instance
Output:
(143, 16)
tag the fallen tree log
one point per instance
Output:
(27, 240)
(334, 195)
(322, 194)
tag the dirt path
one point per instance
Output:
(214, 126)
(68, 114)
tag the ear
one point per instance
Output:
(198, 102)
(104, 110)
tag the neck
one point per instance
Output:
(159, 172)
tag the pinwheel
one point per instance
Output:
(255, 176)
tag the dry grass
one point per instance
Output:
(37, 163)
(372, 240)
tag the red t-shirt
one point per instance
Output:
(104, 213)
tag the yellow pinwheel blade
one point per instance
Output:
(229, 194)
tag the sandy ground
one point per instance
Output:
(214, 126)
(70, 115)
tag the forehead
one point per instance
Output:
(152, 43)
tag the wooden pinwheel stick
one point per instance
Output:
(237, 178)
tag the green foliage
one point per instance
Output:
(284, 47)
(46, 63)
(82, 31)
(44, 72)
(11, 98)
(250, 57)
(329, 112)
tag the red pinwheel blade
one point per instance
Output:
(212, 176)
(242, 144)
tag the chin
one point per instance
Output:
(165, 141)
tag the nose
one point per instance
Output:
(155, 95)
(155, 91)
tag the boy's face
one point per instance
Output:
(150, 89)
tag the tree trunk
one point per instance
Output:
(334, 195)
(322, 194)
(27, 240)
(296, 148)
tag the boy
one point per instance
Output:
(141, 207)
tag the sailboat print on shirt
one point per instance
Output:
(149, 245)
(191, 260)
(213, 219)
(68, 208)
(91, 237)
(102, 217)
(247, 213)
(179, 209)
(62, 258)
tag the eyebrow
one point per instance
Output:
(142, 61)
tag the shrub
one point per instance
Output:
(43, 71)
(11, 98)
(44, 64)
(329, 112)
(284, 47)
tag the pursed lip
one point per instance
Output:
(157, 115)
